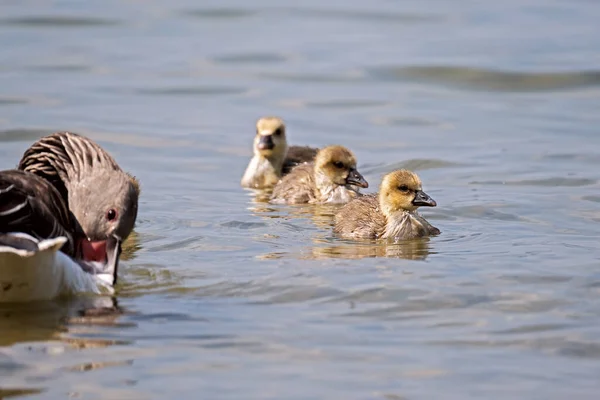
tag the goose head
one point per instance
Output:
(104, 203)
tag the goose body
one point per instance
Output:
(63, 216)
(39, 256)
(36, 270)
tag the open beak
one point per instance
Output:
(423, 199)
(356, 179)
(106, 252)
(113, 253)
(265, 142)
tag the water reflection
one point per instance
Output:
(130, 246)
(325, 246)
(487, 79)
(34, 322)
(8, 393)
(415, 249)
(321, 215)
(260, 198)
(56, 334)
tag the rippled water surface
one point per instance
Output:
(494, 104)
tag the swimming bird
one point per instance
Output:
(68, 194)
(272, 157)
(389, 214)
(35, 224)
(331, 178)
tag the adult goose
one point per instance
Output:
(69, 195)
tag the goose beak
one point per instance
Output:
(105, 252)
(423, 199)
(265, 143)
(356, 179)
(113, 253)
(93, 251)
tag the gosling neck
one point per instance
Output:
(262, 172)
(331, 192)
(400, 222)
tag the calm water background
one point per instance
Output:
(495, 104)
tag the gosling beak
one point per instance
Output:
(265, 143)
(356, 179)
(423, 199)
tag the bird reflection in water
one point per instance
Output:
(260, 200)
(130, 246)
(326, 246)
(413, 249)
(50, 321)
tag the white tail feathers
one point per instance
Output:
(40, 271)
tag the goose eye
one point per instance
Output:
(403, 188)
(277, 132)
(112, 214)
(338, 164)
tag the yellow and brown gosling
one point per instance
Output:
(331, 178)
(272, 156)
(389, 214)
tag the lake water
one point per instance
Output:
(496, 105)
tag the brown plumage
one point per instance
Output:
(102, 198)
(30, 204)
(272, 157)
(389, 214)
(297, 155)
(87, 178)
(331, 178)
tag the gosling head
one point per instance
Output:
(338, 165)
(270, 141)
(401, 191)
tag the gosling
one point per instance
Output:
(272, 157)
(331, 178)
(389, 214)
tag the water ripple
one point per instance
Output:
(483, 212)
(340, 77)
(366, 16)
(4, 101)
(63, 21)
(409, 121)
(547, 182)
(7, 393)
(592, 198)
(582, 157)
(23, 135)
(218, 13)
(191, 91)
(486, 79)
(416, 164)
(577, 348)
(243, 225)
(250, 58)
